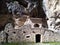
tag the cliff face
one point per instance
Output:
(52, 10)
(51, 7)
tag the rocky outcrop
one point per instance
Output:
(52, 10)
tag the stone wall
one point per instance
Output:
(28, 34)
(50, 36)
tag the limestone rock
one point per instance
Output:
(52, 10)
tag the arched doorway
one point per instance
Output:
(38, 38)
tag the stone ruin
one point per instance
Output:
(35, 29)
(30, 30)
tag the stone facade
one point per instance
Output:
(26, 33)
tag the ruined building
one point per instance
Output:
(30, 23)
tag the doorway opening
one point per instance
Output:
(38, 38)
(6, 37)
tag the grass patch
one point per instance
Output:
(31, 43)
(52, 43)
(19, 43)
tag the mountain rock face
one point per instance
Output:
(52, 10)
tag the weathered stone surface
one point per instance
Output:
(52, 10)
(28, 34)
(2, 36)
(8, 27)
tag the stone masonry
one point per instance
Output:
(26, 33)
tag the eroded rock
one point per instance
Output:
(52, 10)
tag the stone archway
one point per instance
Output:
(38, 38)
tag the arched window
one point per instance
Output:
(36, 25)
